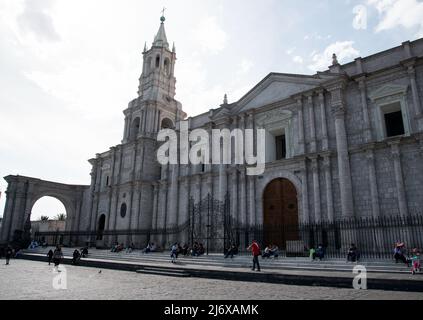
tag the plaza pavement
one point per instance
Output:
(26, 279)
(384, 275)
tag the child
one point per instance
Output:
(415, 260)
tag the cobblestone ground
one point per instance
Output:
(24, 279)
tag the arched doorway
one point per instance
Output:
(280, 213)
(101, 225)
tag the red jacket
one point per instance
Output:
(255, 249)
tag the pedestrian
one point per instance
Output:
(353, 254)
(76, 257)
(8, 254)
(415, 260)
(50, 256)
(57, 256)
(312, 253)
(255, 249)
(174, 252)
(399, 254)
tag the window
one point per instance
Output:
(391, 111)
(280, 142)
(166, 66)
(107, 181)
(157, 61)
(123, 210)
(167, 124)
(394, 124)
(135, 128)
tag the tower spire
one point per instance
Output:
(160, 39)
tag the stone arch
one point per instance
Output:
(263, 182)
(166, 65)
(101, 225)
(166, 124)
(135, 128)
(23, 192)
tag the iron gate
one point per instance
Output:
(210, 223)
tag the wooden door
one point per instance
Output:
(280, 213)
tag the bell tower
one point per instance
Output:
(157, 81)
(155, 107)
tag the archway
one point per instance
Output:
(48, 217)
(24, 192)
(167, 124)
(135, 128)
(280, 213)
(100, 227)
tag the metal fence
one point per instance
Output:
(374, 238)
(211, 223)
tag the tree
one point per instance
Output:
(61, 217)
(44, 218)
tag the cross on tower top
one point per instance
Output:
(163, 13)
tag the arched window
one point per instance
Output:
(123, 210)
(135, 128)
(166, 66)
(148, 66)
(167, 124)
(157, 61)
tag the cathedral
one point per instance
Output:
(346, 143)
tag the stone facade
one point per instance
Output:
(339, 155)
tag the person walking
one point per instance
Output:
(174, 252)
(57, 256)
(8, 254)
(50, 256)
(255, 249)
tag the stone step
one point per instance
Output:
(238, 262)
(164, 272)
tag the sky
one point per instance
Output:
(69, 68)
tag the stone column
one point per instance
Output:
(243, 196)
(312, 124)
(183, 215)
(126, 129)
(173, 196)
(316, 189)
(345, 182)
(301, 141)
(251, 195)
(374, 192)
(365, 109)
(329, 194)
(8, 215)
(325, 139)
(223, 182)
(416, 98)
(93, 174)
(399, 179)
(155, 206)
(234, 194)
(304, 194)
(129, 211)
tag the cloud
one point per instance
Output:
(298, 59)
(395, 13)
(210, 35)
(245, 66)
(344, 50)
(35, 19)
